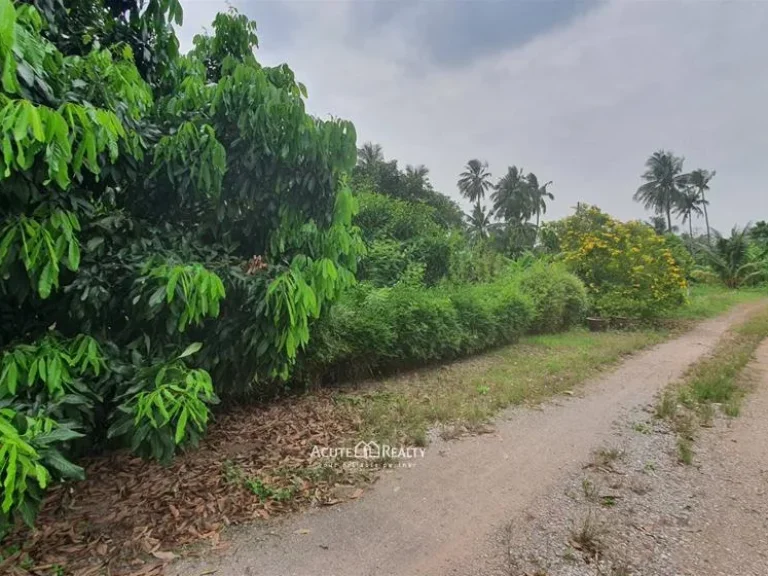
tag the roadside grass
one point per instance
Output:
(721, 379)
(465, 395)
(710, 301)
(462, 397)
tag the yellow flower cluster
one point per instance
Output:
(624, 264)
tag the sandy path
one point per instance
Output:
(731, 529)
(440, 516)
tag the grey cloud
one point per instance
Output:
(457, 33)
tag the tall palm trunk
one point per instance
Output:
(706, 216)
(690, 230)
(538, 215)
(669, 218)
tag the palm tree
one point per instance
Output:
(419, 172)
(699, 179)
(539, 197)
(369, 156)
(664, 180)
(480, 222)
(475, 181)
(730, 259)
(688, 204)
(511, 198)
(416, 183)
(658, 223)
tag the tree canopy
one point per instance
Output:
(168, 222)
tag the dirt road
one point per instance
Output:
(444, 515)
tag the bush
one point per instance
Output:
(559, 298)
(373, 329)
(627, 268)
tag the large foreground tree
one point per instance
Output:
(168, 227)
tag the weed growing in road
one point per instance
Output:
(587, 535)
(606, 457)
(666, 408)
(685, 450)
(590, 489)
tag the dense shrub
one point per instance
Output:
(559, 298)
(475, 262)
(372, 329)
(399, 233)
(627, 268)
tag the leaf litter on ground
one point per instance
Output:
(129, 515)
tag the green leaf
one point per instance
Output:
(46, 281)
(191, 349)
(64, 466)
(7, 25)
(157, 297)
(181, 426)
(73, 255)
(10, 376)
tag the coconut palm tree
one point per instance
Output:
(689, 204)
(664, 181)
(699, 179)
(730, 259)
(658, 223)
(539, 197)
(512, 200)
(419, 172)
(475, 181)
(370, 156)
(480, 222)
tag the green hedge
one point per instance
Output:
(559, 297)
(374, 329)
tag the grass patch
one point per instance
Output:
(716, 378)
(719, 379)
(468, 393)
(710, 301)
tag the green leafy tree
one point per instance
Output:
(374, 174)
(699, 179)
(664, 182)
(169, 226)
(759, 235)
(475, 181)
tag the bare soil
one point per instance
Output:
(458, 510)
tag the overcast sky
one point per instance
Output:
(580, 93)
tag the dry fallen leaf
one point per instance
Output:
(160, 555)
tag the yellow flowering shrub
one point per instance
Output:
(627, 268)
